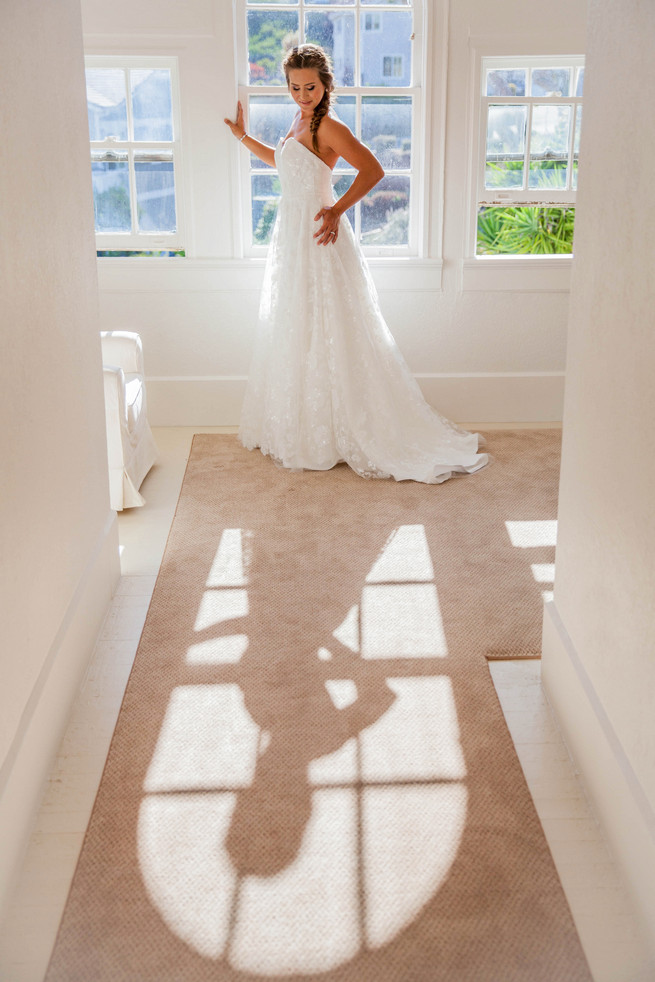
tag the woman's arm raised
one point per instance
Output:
(261, 150)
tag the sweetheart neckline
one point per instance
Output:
(284, 140)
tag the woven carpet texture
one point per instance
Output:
(311, 776)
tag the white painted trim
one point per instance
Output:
(619, 800)
(531, 274)
(435, 115)
(153, 275)
(43, 722)
(525, 274)
(215, 400)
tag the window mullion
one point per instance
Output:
(415, 225)
(569, 169)
(528, 144)
(482, 168)
(358, 134)
(578, 110)
(177, 195)
(128, 106)
(387, 90)
(134, 210)
(412, 76)
(133, 199)
(358, 46)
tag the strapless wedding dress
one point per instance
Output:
(327, 381)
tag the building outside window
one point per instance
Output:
(376, 66)
(134, 131)
(392, 66)
(529, 144)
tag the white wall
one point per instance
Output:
(599, 635)
(492, 351)
(59, 549)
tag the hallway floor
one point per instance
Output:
(601, 909)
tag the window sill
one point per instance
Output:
(138, 274)
(524, 274)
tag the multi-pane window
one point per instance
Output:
(531, 113)
(134, 154)
(376, 66)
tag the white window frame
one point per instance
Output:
(144, 241)
(417, 232)
(564, 197)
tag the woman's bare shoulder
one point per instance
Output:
(335, 134)
(331, 125)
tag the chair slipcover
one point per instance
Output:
(130, 445)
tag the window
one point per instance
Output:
(392, 66)
(132, 108)
(371, 22)
(529, 138)
(378, 98)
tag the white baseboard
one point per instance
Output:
(43, 723)
(492, 397)
(618, 798)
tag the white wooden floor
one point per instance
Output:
(608, 929)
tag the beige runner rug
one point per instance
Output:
(311, 777)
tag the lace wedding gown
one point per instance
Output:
(327, 382)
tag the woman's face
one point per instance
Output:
(306, 89)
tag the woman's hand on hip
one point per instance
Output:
(329, 230)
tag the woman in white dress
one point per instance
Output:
(327, 382)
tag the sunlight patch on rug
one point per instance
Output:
(402, 621)
(405, 557)
(385, 811)
(532, 535)
(207, 740)
(228, 567)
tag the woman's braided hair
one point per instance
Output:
(313, 56)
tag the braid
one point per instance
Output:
(321, 110)
(313, 56)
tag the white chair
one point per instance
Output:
(130, 444)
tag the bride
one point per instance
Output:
(327, 382)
